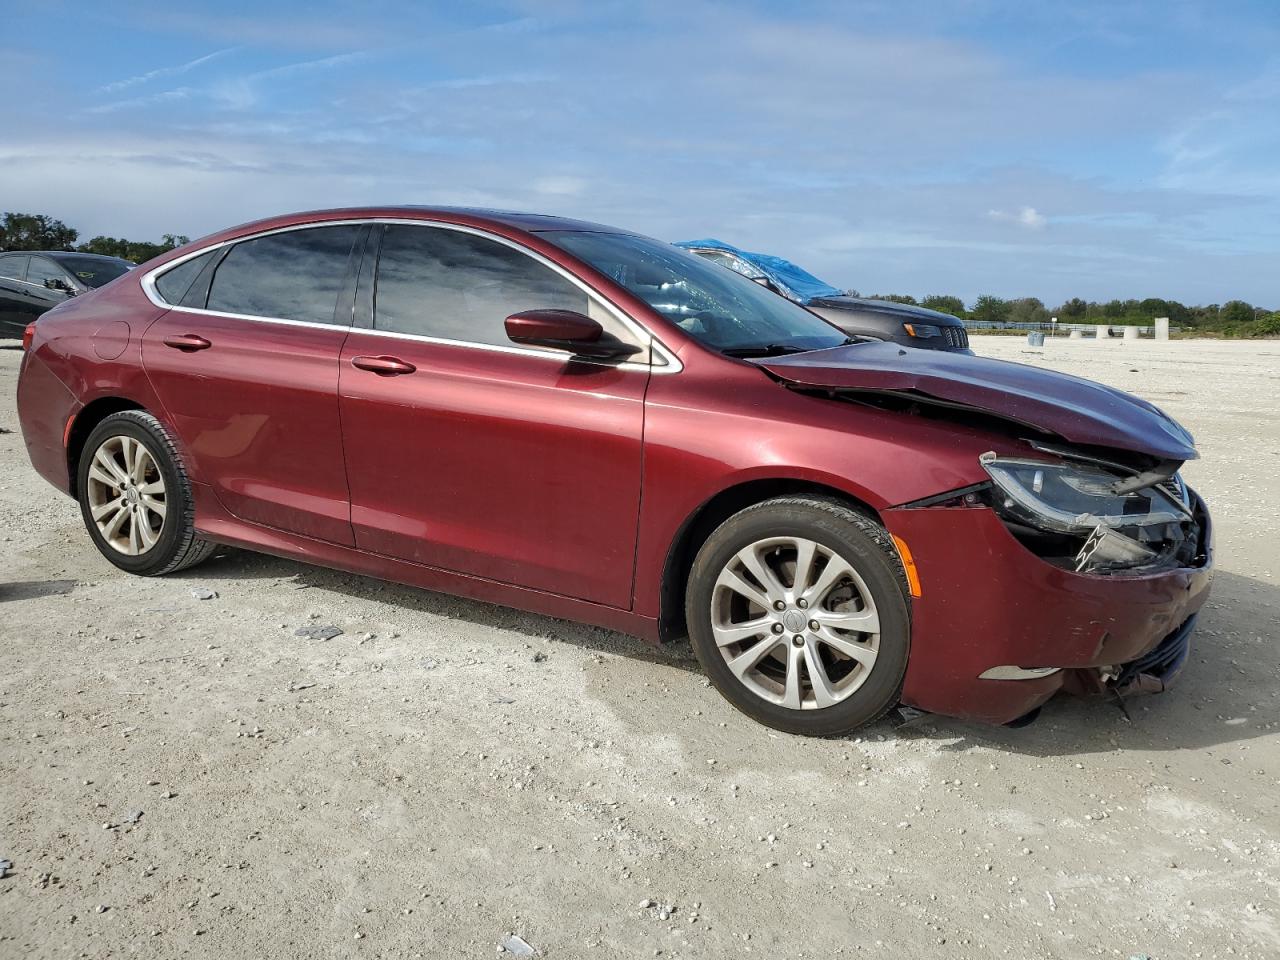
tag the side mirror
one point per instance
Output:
(57, 283)
(565, 330)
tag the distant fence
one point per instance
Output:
(1115, 329)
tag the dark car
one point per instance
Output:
(901, 323)
(33, 281)
(594, 425)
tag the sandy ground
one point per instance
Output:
(446, 773)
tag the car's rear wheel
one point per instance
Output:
(135, 497)
(798, 613)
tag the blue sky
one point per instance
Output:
(1053, 149)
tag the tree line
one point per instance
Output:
(35, 231)
(1235, 318)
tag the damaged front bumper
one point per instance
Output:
(988, 603)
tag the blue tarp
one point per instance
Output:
(795, 281)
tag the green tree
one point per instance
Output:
(1073, 311)
(895, 297)
(990, 309)
(34, 231)
(1235, 313)
(1027, 311)
(135, 250)
(944, 303)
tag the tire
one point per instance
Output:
(156, 534)
(826, 629)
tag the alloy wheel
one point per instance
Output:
(126, 495)
(795, 623)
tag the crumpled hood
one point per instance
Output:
(1072, 408)
(905, 311)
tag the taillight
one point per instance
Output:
(28, 335)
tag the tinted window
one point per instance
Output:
(39, 270)
(294, 275)
(458, 286)
(172, 285)
(14, 268)
(94, 271)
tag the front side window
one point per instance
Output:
(437, 282)
(40, 270)
(13, 268)
(718, 307)
(294, 275)
(173, 284)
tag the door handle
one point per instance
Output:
(188, 342)
(383, 366)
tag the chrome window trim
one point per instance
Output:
(663, 360)
(39, 286)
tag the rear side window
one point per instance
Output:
(295, 275)
(173, 284)
(437, 282)
(13, 268)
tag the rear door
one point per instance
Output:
(513, 464)
(246, 366)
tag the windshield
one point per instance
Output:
(796, 282)
(94, 271)
(713, 305)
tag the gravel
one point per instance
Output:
(438, 770)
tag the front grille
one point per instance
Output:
(1175, 488)
(956, 336)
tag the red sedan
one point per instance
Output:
(590, 424)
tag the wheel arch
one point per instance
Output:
(88, 417)
(708, 516)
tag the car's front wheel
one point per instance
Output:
(135, 497)
(798, 613)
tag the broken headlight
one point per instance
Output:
(1073, 498)
(1082, 516)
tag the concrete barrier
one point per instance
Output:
(1162, 328)
(1131, 333)
(1102, 331)
(1075, 335)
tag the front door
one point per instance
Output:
(248, 376)
(512, 464)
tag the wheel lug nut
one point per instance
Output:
(798, 640)
(779, 605)
(814, 625)
(778, 628)
(802, 603)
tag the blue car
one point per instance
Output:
(901, 323)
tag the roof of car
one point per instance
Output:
(532, 222)
(59, 253)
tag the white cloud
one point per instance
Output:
(150, 75)
(1028, 217)
(560, 186)
(164, 96)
